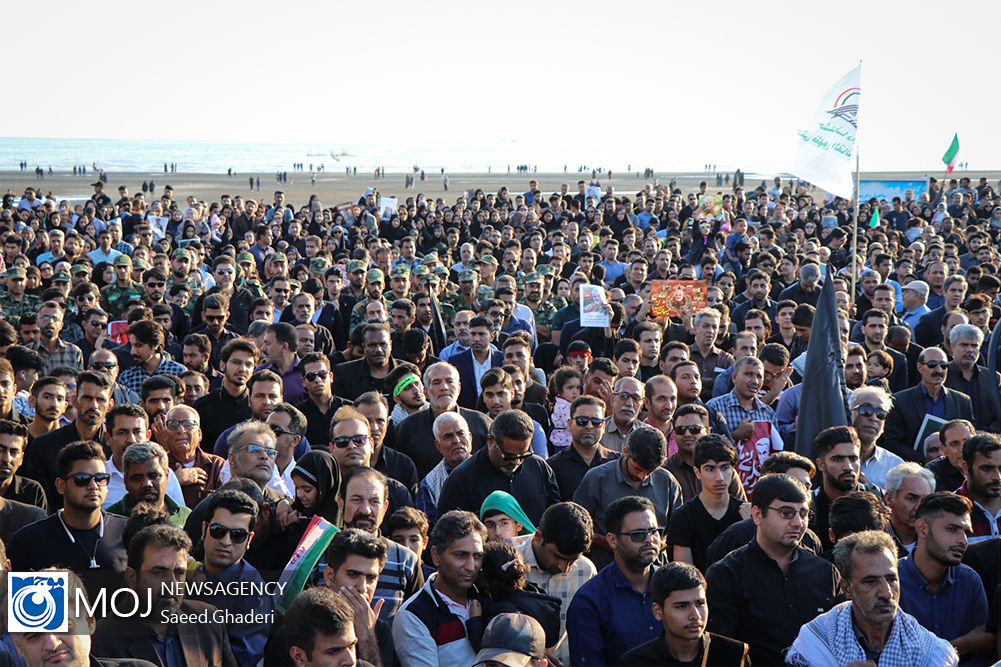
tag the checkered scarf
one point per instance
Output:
(829, 641)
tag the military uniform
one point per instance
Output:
(114, 297)
(543, 317)
(254, 287)
(14, 309)
(195, 284)
(558, 302)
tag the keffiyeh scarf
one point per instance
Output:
(829, 641)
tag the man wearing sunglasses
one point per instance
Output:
(868, 409)
(320, 404)
(80, 536)
(227, 529)
(586, 425)
(505, 464)
(613, 611)
(239, 299)
(931, 397)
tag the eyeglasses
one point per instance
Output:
(584, 421)
(103, 365)
(788, 513)
(83, 479)
(213, 318)
(238, 535)
(345, 441)
(175, 424)
(625, 396)
(87, 297)
(693, 429)
(49, 318)
(512, 457)
(97, 323)
(871, 411)
(258, 449)
(313, 376)
(640, 536)
(222, 271)
(934, 363)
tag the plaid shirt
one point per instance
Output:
(730, 407)
(562, 586)
(66, 354)
(133, 376)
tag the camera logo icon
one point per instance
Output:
(37, 602)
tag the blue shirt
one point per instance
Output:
(729, 405)
(607, 617)
(612, 270)
(912, 317)
(934, 407)
(960, 605)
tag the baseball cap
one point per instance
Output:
(513, 640)
(919, 286)
(245, 257)
(467, 275)
(431, 258)
(15, 272)
(533, 277)
(181, 253)
(484, 292)
(439, 270)
(318, 264)
(140, 263)
(81, 268)
(488, 259)
(61, 277)
(277, 257)
(122, 260)
(422, 270)
(355, 265)
(375, 275)
(400, 271)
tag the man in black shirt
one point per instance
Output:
(93, 399)
(13, 440)
(948, 467)
(386, 460)
(80, 536)
(229, 404)
(507, 464)
(679, 594)
(700, 521)
(765, 591)
(320, 404)
(586, 426)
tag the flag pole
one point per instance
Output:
(858, 195)
(855, 225)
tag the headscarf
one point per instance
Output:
(502, 501)
(320, 469)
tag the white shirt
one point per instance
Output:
(116, 487)
(479, 369)
(876, 466)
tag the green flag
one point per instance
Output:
(874, 220)
(950, 155)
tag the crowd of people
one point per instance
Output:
(189, 388)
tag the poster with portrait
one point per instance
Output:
(158, 225)
(594, 310)
(676, 298)
(387, 208)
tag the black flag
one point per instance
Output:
(822, 403)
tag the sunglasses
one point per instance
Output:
(313, 376)
(224, 271)
(156, 285)
(694, 429)
(97, 323)
(640, 536)
(213, 318)
(238, 535)
(871, 411)
(512, 457)
(279, 431)
(83, 479)
(935, 363)
(584, 421)
(345, 441)
(103, 365)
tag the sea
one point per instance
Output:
(208, 157)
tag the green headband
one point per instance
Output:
(404, 383)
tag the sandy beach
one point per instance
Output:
(335, 188)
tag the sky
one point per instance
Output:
(678, 82)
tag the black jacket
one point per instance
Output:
(353, 378)
(531, 601)
(983, 394)
(908, 411)
(415, 438)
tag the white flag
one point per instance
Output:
(824, 149)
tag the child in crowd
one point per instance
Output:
(564, 389)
